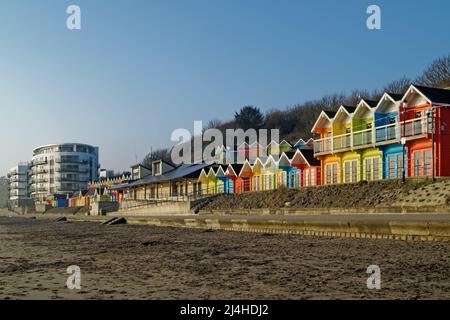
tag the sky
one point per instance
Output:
(139, 69)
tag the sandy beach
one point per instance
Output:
(142, 262)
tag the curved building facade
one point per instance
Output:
(62, 169)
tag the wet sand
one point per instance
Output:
(142, 262)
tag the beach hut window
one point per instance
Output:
(313, 177)
(391, 168)
(376, 168)
(335, 173)
(368, 169)
(347, 173)
(417, 163)
(307, 178)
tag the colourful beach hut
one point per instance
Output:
(270, 174)
(257, 184)
(387, 134)
(244, 181)
(292, 173)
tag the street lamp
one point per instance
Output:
(431, 125)
(403, 142)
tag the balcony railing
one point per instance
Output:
(38, 162)
(323, 146)
(362, 138)
(71, 170)
(414, 128)
(376, 136)
(82, 180)
(71, 160)
(18, 179)
(386, 134)
(342, 142)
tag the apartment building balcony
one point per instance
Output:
(18, 186)
(67, 189)
(18, 179)
(40, 171)
(71, 170)
(373, 137)
(72, 180)
(39, 180)
(71, 161)
(39, 162)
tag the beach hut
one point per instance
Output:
(309, 168)
(292, 173)
(232, 174)
(258, 167)
(224, 183)
(243, 183)
(270, 174)
(387, 133)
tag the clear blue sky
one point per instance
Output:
(139, 69)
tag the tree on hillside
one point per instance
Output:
(356, 96)
(159, 154)
(437, 74)
(276, 119)
(398, 86)
(249, 117)
(329, 102)
(213, 124)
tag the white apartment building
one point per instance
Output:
(62, 169)
(18, 182)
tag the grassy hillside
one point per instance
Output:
(3, 192)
